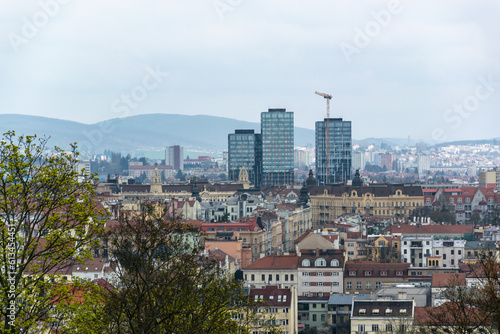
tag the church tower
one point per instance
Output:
(155, 183)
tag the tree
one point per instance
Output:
(180, 176)
(47, 220)
(475, 308)
(162, 282)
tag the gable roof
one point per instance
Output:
(275, 262)
(442, 280)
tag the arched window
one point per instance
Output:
(306, 263)
(334, 263)
(320, 262)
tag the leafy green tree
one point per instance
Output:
(47, 220)
(163, 284)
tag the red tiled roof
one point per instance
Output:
(443, 280)
(269, 296)
(275, 262)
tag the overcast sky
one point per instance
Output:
(428, 69)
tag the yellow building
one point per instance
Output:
(385, 200)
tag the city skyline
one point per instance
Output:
(387, 64)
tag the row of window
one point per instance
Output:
(369, 273)
(306, 273)
(320, 284)
(359, 285)
(320, 263)
(376, 328)
(270, 277)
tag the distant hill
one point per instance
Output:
(142, 132)
(493, 141)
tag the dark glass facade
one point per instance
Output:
(277, 131)
(245, 150)
(335, 166)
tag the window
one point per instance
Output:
(322, 318)
(361, 328)
(452, 252)
(305, 283)
(437, 252)
(335, 274)
(321, 284)
(263, 278)
(375, 328)
(352, 273)
(377, 285)
(334, 263)
(320, 274)
(358, 285)
(252, 277)
(459, 252)
(270, 277)
(320, 262)
(277, 278)
(314, 317)
(335, 283)
(350, 253)
(368, 285)
(388, 328)
(305, 273)
(291, 277)
(349, 286)
(286, 278)
(444, 256)
(399, 273)
(368, 273)
(350, 244)
(383, 273)
(306, 263)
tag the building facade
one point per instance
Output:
(245, 150)
(333, 150)
(174, 156)
(384, 200)
(277, 129)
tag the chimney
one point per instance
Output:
(317, 251)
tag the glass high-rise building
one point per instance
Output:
(277, 147)
(333, 156)
(245, 150)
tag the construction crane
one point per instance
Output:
(328, 97)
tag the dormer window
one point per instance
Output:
(388, 311)
(352, 273)
(368, 273)
(399, 273)
(402, 311)
(362, 311)
(383, 273)
(375, 311)
(334, 263)
(320, 262)
(306, 263)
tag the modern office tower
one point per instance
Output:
(358, 160)
(424, 164)
(277, 147)
(302, 159)
(333, 150)
(386, 161)
(174, 156)
(245, 150)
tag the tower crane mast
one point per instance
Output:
(328, 97)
